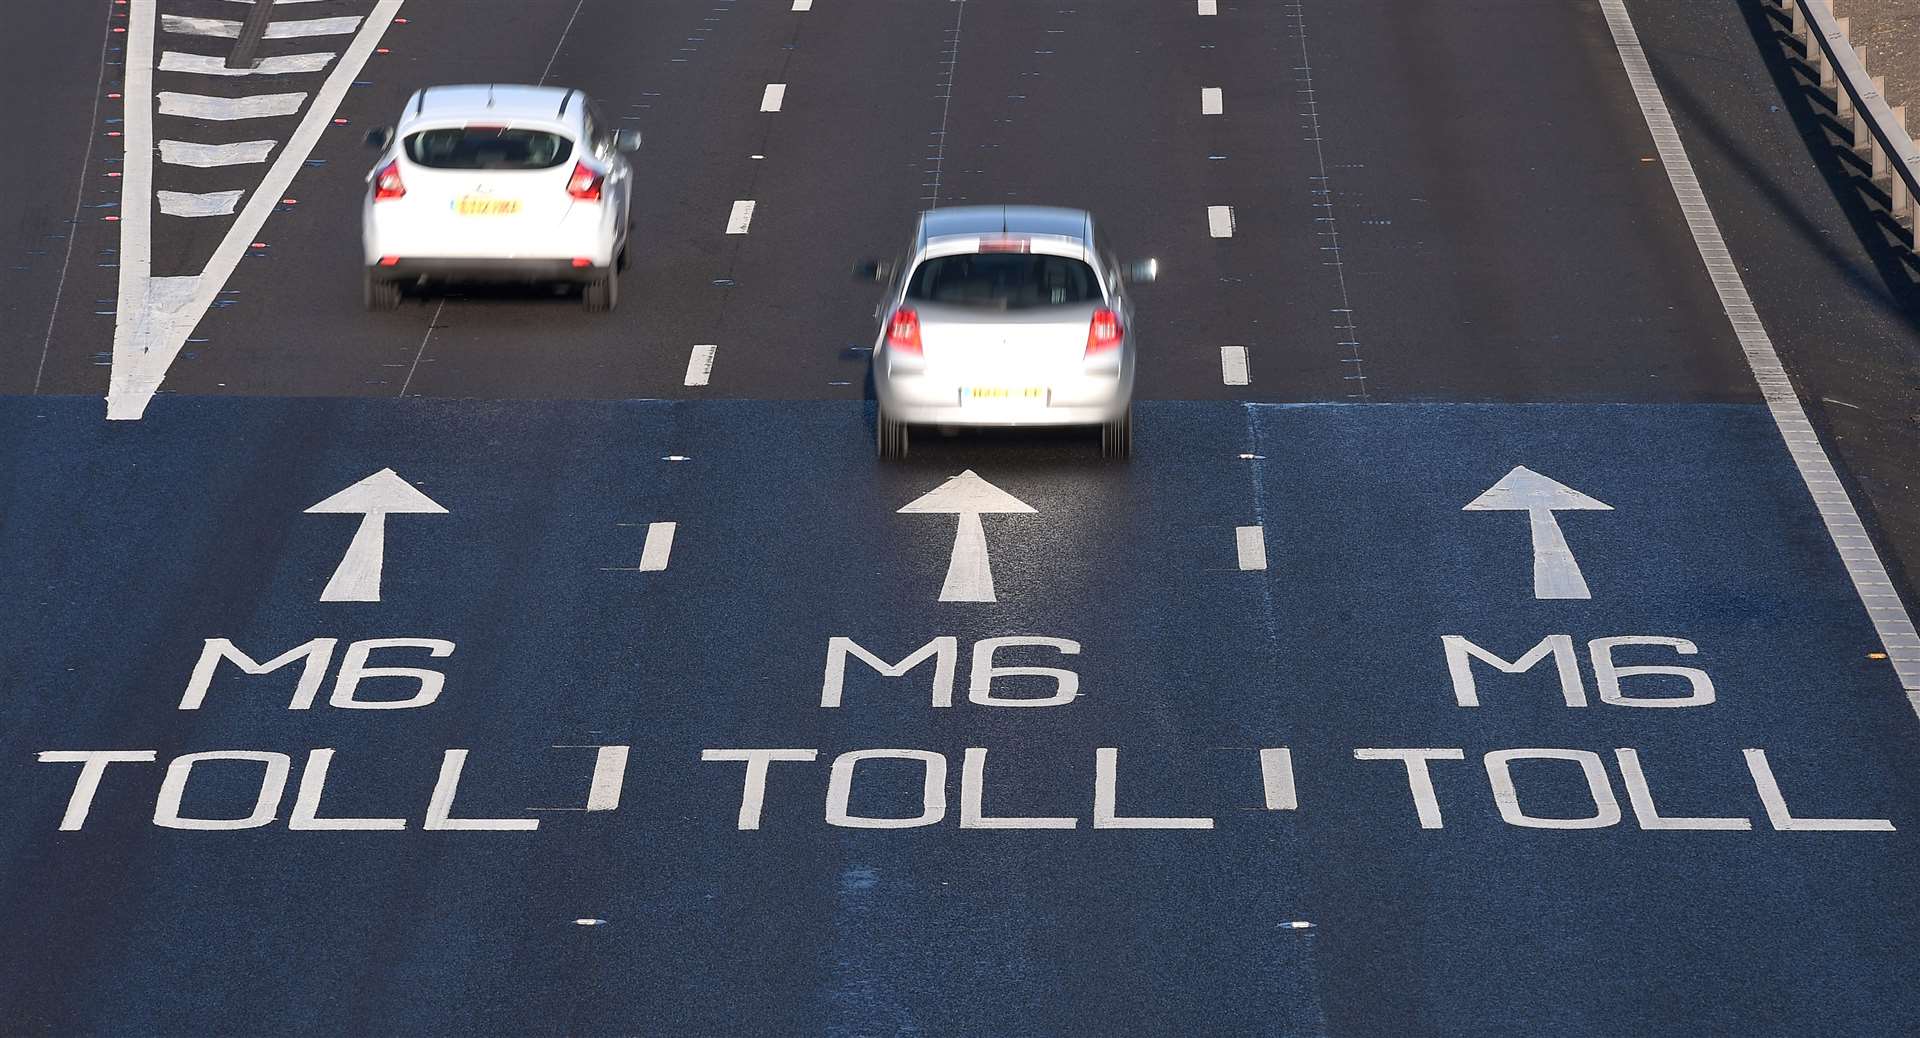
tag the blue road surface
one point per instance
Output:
(124, 549)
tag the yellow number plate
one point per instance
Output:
(1004, 393)
(480, 205)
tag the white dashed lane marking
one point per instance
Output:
(658, 548)
(185, 153)
(1208, 8)
(214, 65)
(700, 365)
(1211, 101)
(1251, 544)
(1276, 778)
(803, 5)
(1233, 366)
(227, 109)
(741, 217)
(1220, 221)
(774, 95)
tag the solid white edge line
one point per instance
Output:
(775, 94)
(1870, 581)
(658, 547)
(700, 365)
(147, 337)
(136, 197)
(1212, 101)
(1250, 542)
(1220, 221)
(741, 217)
(1233, 366)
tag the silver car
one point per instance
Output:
(1004, 316)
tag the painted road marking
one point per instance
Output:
(224, 29)
(700, 365)
(776, 93)
(803, 5)
(741, 217)
(658, 547)
(1251, 544)
(228, 109)
(1220, 221)
(357, 578)
(1870, 580)
(609, 774)
(1276, 778)
(1233, 366)
(1556, 575)
(187, 203)
(1208, 8)
(211, 65)
(1211, 101)
(154, 316)
(969, 570)
(185, 153)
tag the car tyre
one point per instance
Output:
(1116, 437)
(602, 293)
(890, 438)
(381, 294)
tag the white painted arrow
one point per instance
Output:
(1555, 573)
(970, 573)
(357, 579)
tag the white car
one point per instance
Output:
(1005, 316)
(493, 182)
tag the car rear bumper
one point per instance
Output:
(1086, 403)
(464, 268)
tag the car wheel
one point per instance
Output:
(602, 293)
(1116, 437)
(380, 293)
(889, 437)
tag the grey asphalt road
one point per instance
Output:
(1456, 259)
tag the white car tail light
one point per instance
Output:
(585, 182)
(386, 183)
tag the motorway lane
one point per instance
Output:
(1589, 301)
(191, 524)
(1187, 666)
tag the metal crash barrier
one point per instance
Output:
(1880, 136)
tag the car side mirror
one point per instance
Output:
(872, 270)
(626, 142)
(1143, 272)
(379, 139)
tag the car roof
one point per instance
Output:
(974, 220)
(496, 100)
